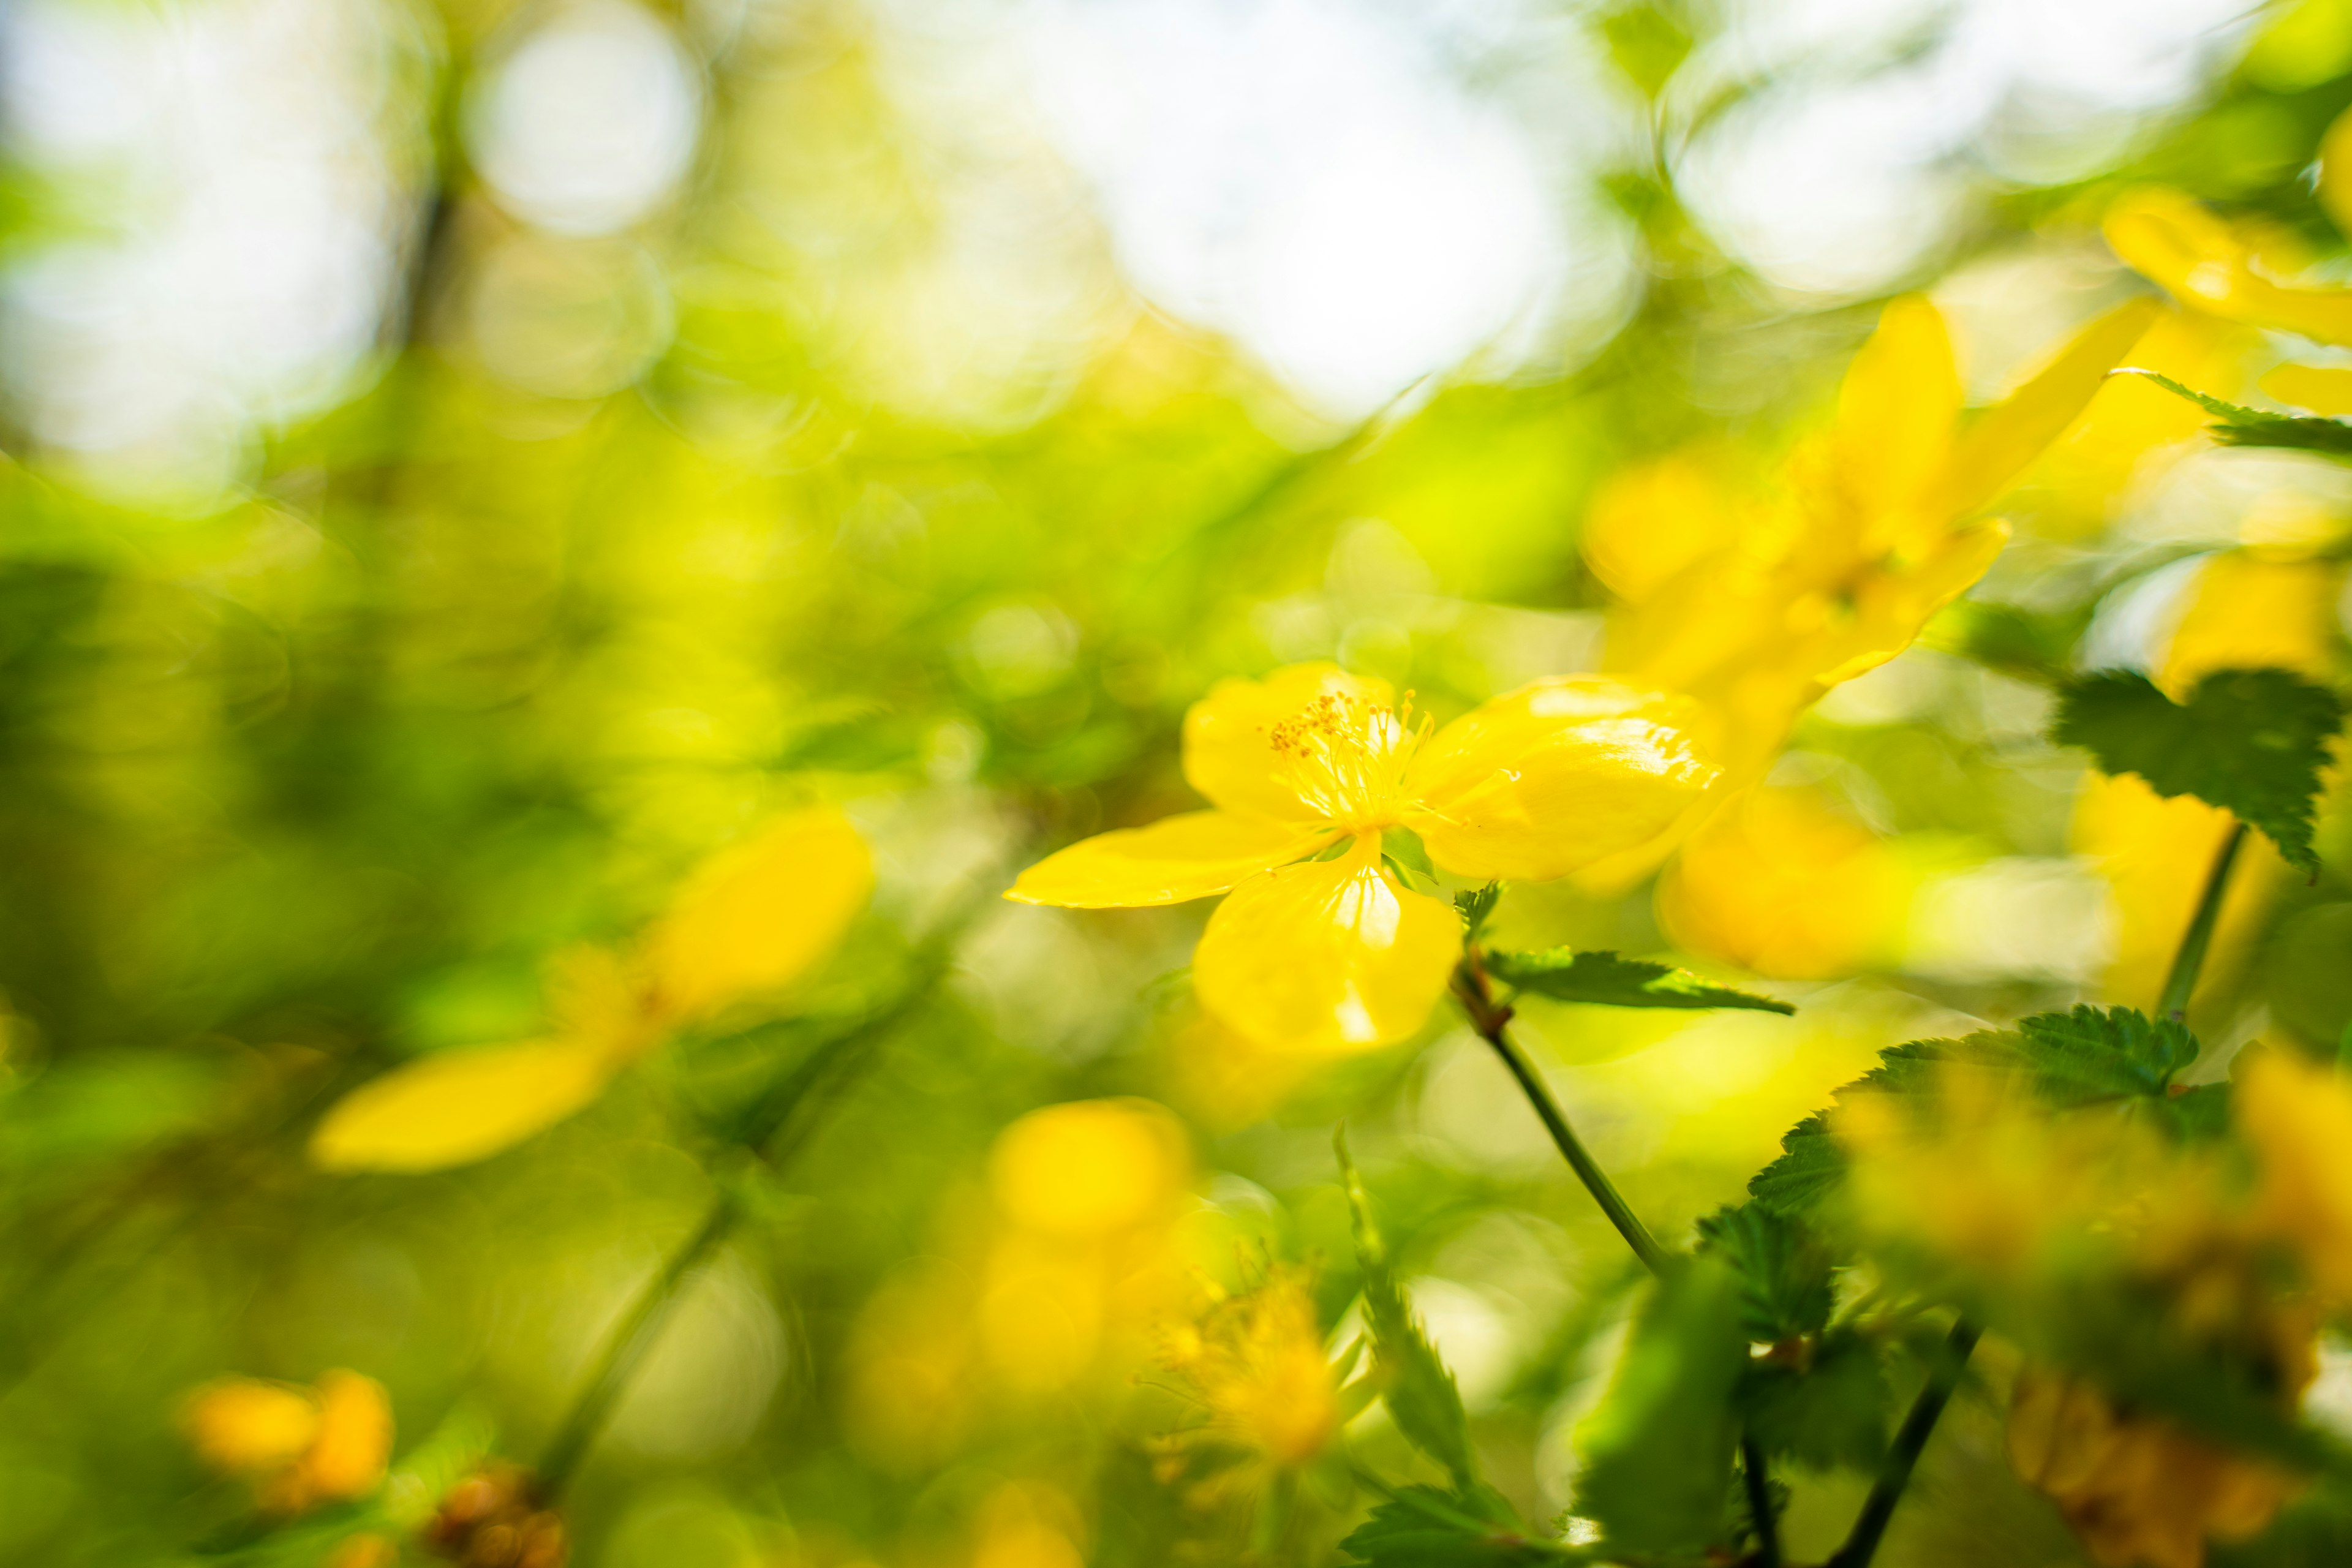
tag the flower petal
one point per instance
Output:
(757, 917)
(456, 1107)
(1229, 753)
(2013, 432)
(1555, 776)
(1327, 955)
(1897, 409)
(2211, 267)
(1177, 858)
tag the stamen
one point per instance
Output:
(1345, 758)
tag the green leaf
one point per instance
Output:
(1783, 1268)
(2025, 645)
(1825, 1405)
(2251, 741)
(1647, 43)
(2245, 426)
(1423, 1527)
(2090, 1056)
(1421, 1393)
(1658, 1447)
(1475, 904)
(1609, 980)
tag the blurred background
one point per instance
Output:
(464, 463)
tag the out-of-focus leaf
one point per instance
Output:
(109, 1102)
(1647, 43)
(456, 1107)
(1783, 1270)
(1827, 1408)
(1475, 904)
(757, 917)
(2244, 427)
(1421, 1393)
(2025, 645)
(1610, 980)
(2090, 1055)
(1423, 1527)
(2251, 741)
(1658, 1448)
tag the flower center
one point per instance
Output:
(1346, 758)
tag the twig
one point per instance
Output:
(2182, 980)
(1902, 1455)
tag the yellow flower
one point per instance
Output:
(1781, 884)
(1873, 530)
(1333, 953)
(2139, 1491)
(2235, 272)
(1254, 1365)
(2298, 1117)
(298, 1448)
(749, 922)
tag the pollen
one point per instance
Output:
(1346, 757)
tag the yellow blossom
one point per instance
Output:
(1261, 1382)
(2139, 1491)
(1781, 884)
(1874, 530)
(2237, 271)
(2298, 1117)
(1335, 953)
(745, 925)
(298, 1448)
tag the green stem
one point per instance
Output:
(631, 1340)
(774, 1131)
(1759, 1504)
(2182, 980)
(1491, 1021)
(1903, 1456)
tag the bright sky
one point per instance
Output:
(1361, 192)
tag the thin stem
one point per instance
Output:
(631, 1340)
(1491, 1020)
(1759, 1504)
(2182, 980)
(776, 1128)
(1903, 1456)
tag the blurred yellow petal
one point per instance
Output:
(1653, 519)
(242, 1426)
(2246, 611)
(2298, 1116)
(2155, 854)
(1897, 409)
(2319, 389)
(757, 917)
(1555, 776)
(1327, 955)
(1779, 883)
(1229, 751)
(1892, 607)
(354, 1440)
(456, 1107)
(1177, 858)
(2011, 433)
(595, 994)
(2208, 264)
(1090, 1167)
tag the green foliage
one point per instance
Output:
(2251, 741)
(1826, 1407)
(1420, 1391)
(2244, 427)
(2033, 646)
(1475, 904)
(1609, 980)
(1423, 1526)
(1783, 1268)
(1648, 43)
(1658, 1448)
(2067, 1060)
